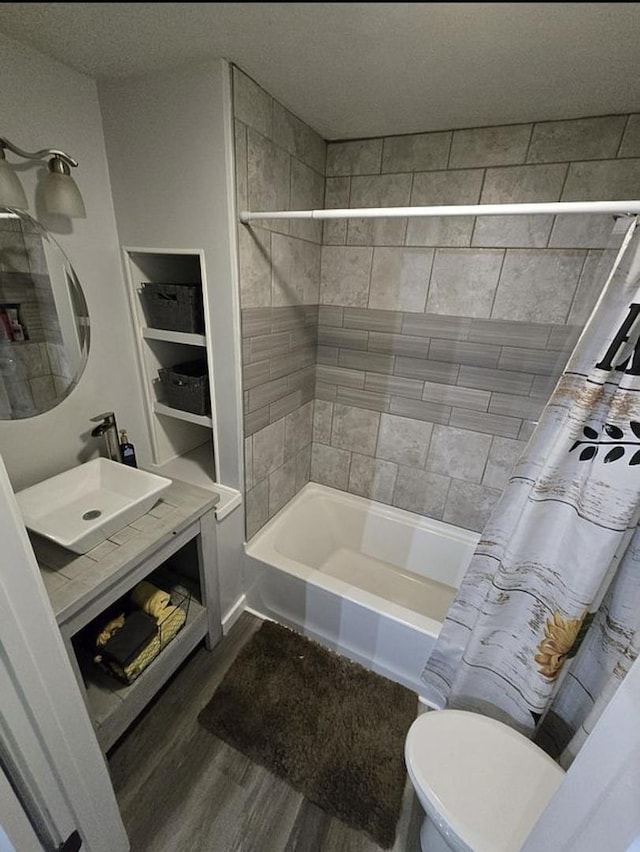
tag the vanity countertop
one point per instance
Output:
(74, 581)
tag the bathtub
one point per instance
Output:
(366, 580)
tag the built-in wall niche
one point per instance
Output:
(167, 297)
(12, 324)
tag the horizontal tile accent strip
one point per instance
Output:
(372, 320)
(393, 385)
(453, 395)
(340, 376)
(506, 427)
(529, 335)
(363, 399)
(495, 380)
(344, 337)
(399, 344)
(365, 361)
(430, 371)
(419, 410)
(432, 325)
(459, 352)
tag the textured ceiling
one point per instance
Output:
(366, 69)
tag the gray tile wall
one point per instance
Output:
(412, 408)
(31, 371)
(440, 340)
(280, 164)
(437, 342)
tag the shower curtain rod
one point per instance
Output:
(620, 208)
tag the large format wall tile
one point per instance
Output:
(403, 440)
(330, 466)
(502, 458)
(582, 139)
(252, 104)
(280, 164)
(419, 491)
(439, 188)
(464, 282)
(345, 275)
(400, 279)
(268, 171)
(417, 152)
(575, 231)
(522, 185)
(362, 157)
(306, 193)
(436, 342)
(355, 429)
(372, 478)
(608, 180)
(378, 191)
(336, 196)
(490, 146)
(295, 271)
(298, 139)
(255, 267)
(538, 286)
(458, 453)
(630, 145)
(469, 505)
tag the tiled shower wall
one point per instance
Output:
(440, 340)
(280, 165)
(33, 371)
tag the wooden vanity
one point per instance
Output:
(177, 536)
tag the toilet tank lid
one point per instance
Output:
(479, 778)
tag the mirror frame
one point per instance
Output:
(44, 319)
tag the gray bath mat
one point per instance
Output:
(329, 727)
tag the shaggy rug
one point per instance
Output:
(329, 727)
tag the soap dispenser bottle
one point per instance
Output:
(127, 450)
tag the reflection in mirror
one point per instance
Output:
(44, 322)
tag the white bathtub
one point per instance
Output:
(367, 580)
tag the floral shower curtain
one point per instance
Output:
(547, 620)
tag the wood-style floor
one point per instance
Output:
(180, 789)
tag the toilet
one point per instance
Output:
(481, 784)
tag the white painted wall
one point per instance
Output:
(44, 104)
(169, 143)
(169, 140)
(49, 750)
(597, 806)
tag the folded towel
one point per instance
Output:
(109, 629)
(150, 598)
(127, 642)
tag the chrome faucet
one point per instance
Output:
(109, 430)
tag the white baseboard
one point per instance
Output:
(233, 614)
(259, 614)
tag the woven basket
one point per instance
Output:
(174, 307)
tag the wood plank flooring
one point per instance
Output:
(180, 789)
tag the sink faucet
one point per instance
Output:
(109, 431)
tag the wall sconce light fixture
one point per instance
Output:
(61, 195)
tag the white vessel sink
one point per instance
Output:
(85, 505)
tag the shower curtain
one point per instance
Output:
(547, 620)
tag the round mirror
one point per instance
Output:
(44, 322)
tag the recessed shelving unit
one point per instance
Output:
(174, 336)
(175, 433)
(178, 414)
